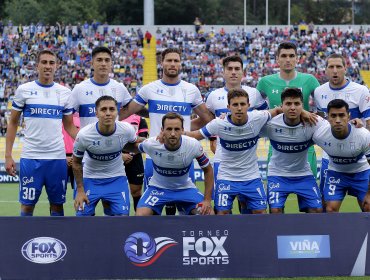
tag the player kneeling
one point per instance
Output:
(170, 182)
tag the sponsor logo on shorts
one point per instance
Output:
(44, 250)
(205, 247)
(143, 250)
(303, 246)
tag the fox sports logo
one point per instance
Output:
(143, 250)
(44, 250)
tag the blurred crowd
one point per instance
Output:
(202, 53)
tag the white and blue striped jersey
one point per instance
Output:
(238, 159)
(171, 168)
(216, 103)
(289, 147)
(43, 108)
(347, 155)
(357, 96)
(103, 157)
(87, 92)
(162, 98)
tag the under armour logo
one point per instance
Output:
(275, 91)
(227, 128)
(327, 144)
(159, 91)
(158, 154)
(279, 130)
(89, 92)
(324, 97)
(33, 93)
(96, 143)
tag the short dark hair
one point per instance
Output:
(236, 92)
(335, 55)
(170, 50)
(337, 104)
(173, 116)
(291, 92)
(97, 50)
(286, 46)
(105, 98)
(232, 58)
(46, 51)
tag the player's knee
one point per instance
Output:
(276, 210)
(315, 210)
(331, 208)
(223, 212)
(143, 211)
(135, 190)
(27, 210)
(259, 211)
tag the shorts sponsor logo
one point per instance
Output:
(143, 250)
(205, 247)
(44, 250)
(303, 246)
(26, 180)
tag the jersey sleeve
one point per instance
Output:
(198, 100)
(142, 96)
(126, 97)
(261, 88)
(201, 156)
(68, 107)
(313, 83)
(209, 103)
(19, 100)
(365, 103)
(78, 146)
(131, 132)
(211, 129)
(74, 98)
(367, 146)
(261, 103)
(144, 146)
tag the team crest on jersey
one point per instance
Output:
(367, 99)
(240, 130)
(171, 157)
(347, 95)
(101, 92)
(109, 142)
(292, 131)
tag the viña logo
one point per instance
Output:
(205, 247)
(305, 246)
(44, 250)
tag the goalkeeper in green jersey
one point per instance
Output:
(272, 86)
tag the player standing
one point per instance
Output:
(273, 85)
(338, 87)
(169, 94)
(44, 104)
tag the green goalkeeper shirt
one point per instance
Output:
(272, 86)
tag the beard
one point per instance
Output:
(171, 74)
